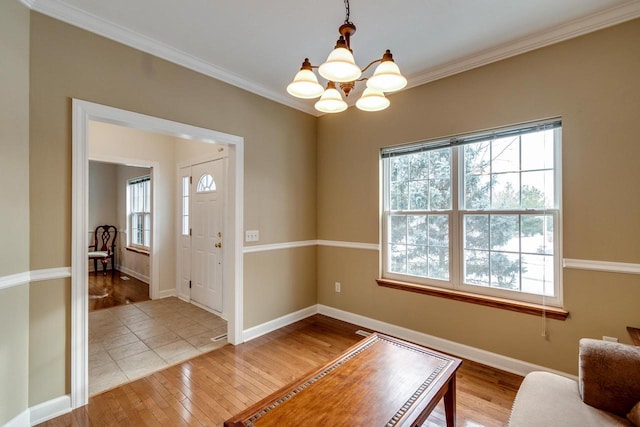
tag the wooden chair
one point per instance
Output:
(104, 248)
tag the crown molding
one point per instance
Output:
(105, 28)
(79, 18)
(578, 27)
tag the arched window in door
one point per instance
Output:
(206, 184)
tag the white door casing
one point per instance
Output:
(82, 112)
(207, 214)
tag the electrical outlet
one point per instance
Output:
(338, 287)
(610, 339)
(251, 235)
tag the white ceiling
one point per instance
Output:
(259, 45)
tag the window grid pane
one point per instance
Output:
(185, 205)
(508, 211)
(419, 245)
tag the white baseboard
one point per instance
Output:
(133, 273)
(20, 420)
(167, 293)
(50, 409)
(488, 358)
(272, 325)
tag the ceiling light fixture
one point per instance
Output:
(340, 67)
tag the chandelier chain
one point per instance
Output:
(347, 12)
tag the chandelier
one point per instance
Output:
(341, 70)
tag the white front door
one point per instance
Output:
(207, 223)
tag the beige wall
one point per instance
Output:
(592, 82)
(14, 137)
(102, 195)
(279, 166)
(14, 206)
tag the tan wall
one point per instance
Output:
(592, 82)
(14, 137)
(279, 166)
(49, 343)
(102, 195)
(14, 206)
(291, 284)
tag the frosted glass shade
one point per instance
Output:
(372, 100)
(387, 78)
(331, 102)
(340, 66)
(305, 85)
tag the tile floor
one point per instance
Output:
(130, 341)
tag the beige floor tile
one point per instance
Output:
(124, 311)
(151, 332)
(171, 317)
(97, 359)
(134, 318)
(141, 364)
(143, 324)
(213, 346)
(119, 341)
(105, 377)
(128, 332)
(128, 350)
(103, 324)
(200, 340)
(176, 351)
(96, 348)
(179, 324)
(161, 340)
(112, 332)
(207, 318)
(192, 330)
(101, 315)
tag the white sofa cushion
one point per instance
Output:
(546, 399)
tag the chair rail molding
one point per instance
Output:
(303, 243)
(26, 277)
(607, 266)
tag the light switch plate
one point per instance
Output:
(251, 235)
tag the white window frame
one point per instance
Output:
(456, 215)
(145, 214)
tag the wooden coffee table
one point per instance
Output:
(380, 381)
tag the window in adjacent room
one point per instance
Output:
(185, 205)
(139, 212)
(478, 213)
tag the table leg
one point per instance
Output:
(450, 402)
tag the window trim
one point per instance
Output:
(541, 310)
(130, 245)
(456, 254)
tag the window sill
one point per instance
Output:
(501, 303)
(137, 250)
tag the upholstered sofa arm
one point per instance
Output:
(609, 375)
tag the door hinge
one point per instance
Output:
(189, 284)
(189, 232)
(190, 180)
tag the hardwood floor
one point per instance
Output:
(210, 388)
(106, 291)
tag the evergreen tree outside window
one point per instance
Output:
(479, 213)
